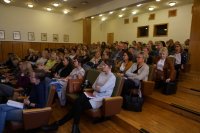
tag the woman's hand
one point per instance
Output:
(168, 80)
(27, 101)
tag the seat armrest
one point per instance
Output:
(34, 118)
(147, 87)
(88, 90)
(74, 85)
(112, 105)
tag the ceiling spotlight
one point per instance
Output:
(134, 12)
(30, 5)
(56, 4)
(49, 9)
(123, 9)
(120, 15)
(103, 19)
(139, 5)
(111, 12)
(151, 8)
(64, 0)
(92, 17)
(172, 3)
(7, 1)
(100, 15)
(84, 2)
(65, 11)
(157, 0)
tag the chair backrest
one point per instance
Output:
(118, 86)
(47, 88)
(151, 72)
(51, 94)
(34, 118)
(91, 75)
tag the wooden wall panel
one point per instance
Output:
(194, 38)
(44, 46)
(52, 45)
(87, 31)
(36, 46)
(1, 58)
(25, 47)
(6, 48)
(18, 48)
(21, 48)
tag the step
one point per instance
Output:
(155, 119)
(182, 103)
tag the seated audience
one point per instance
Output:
(36, 99)
(77, 73)
(103, 88)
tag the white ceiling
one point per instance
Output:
(78, 6)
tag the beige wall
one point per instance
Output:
(28, 20)
(178, 27)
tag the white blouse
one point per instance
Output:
(160, 64)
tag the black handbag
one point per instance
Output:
(133, 103)
(170, 88)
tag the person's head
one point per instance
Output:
(77, 62)
(159, 45)
(37, 76)
(40, 64)
(105, 55)
(45, 54)
(66, 61)
(107, 66)
(163, 53)
(140, 58)
(97, 54)
(53, 55)
(25, 67)
(127, 56)
(178, 47)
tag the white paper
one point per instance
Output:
(89, 96)
(15, 104)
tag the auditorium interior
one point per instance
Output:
(73, 29)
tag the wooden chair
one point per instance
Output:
(148, 86)
(34, 118)
(112, 105)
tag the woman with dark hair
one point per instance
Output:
(137, 72)
(125, 64)
(103, 88)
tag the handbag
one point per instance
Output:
(133, 103)
(170, 88)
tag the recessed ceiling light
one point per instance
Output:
(49, 9)
(84, 2)
(157, 0)
(56, 4)
(123, 9)
(65, 11)
(134, 12)
(64, 0)
(111, 12)
(120, 15)
(92, 17)
(7, 1)
(138, 5)
(100, 15)
(30, 5)
(151, 8)
(103, 19)
(172, 3)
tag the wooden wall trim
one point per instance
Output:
(21, 48)
(194, 47)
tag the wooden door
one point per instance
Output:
(110, 38)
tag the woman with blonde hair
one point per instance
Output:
(164, 69)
